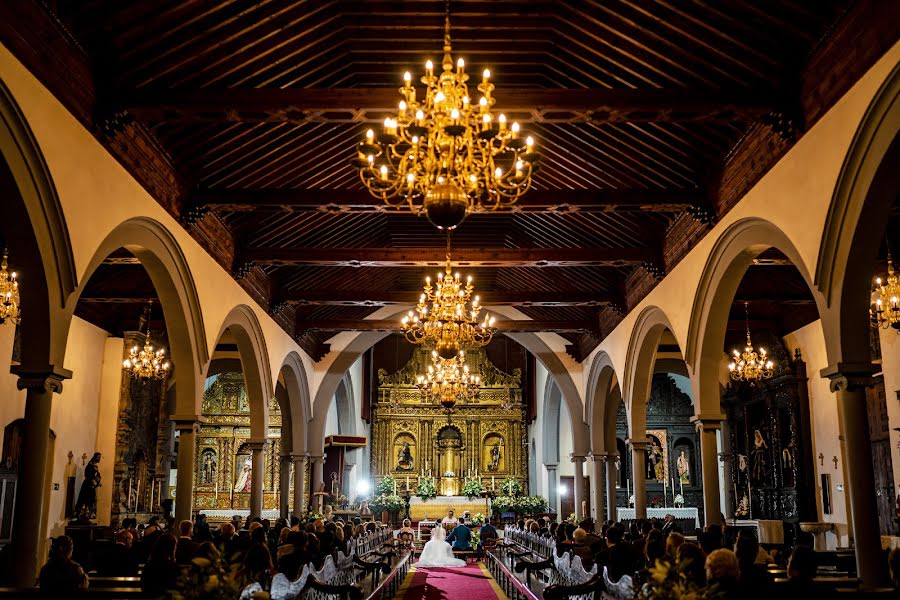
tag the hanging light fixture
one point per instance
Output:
(885, 311)
(447, 314)
(750, 365)
(146, 363)
(10, 309)
(446, 154)
(449, 381)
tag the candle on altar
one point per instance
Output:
(680, 486)
(395, 487)
(152, 489)
(492, 482)
(627, 490)
(130, 490)
(749, 498)
(666, 492)
(137, 495)
(407, 482)
(584, 508)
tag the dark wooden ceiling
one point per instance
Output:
(241, 116)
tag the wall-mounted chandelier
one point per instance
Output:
(446, 154)
(885, 311)
(146, 363)
(750, 365)
(446, 317)
(449, 381)
(10, 309)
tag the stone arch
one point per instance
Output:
(729, 259)
(161, 256)
(241, 321)
(639, 365)
(346, 407)
(866, 188)
(552, 399)
(40, 243)
(295, 410)
(601, 380)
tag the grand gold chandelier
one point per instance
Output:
(449, 381)
(885, 311)
(750, 365)
(446, 317)
(10, 309)
(146, 363)
(446, 154)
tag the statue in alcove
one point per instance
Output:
(404, 458)
(208, 468)
(495, 458)
(682, 466)
(654, 458)
(243, 481)
(758, 456)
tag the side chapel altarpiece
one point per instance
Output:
(411, 435)
(223, 476)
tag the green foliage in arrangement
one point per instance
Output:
(426, 488)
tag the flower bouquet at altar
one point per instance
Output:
(386, 487)
(679, 501)
(390, 503)
(426, 488)
(656, 502)
(511, 487)
(472, 488)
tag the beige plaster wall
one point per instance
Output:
(12, 400)
(107, 421)
(74, 417)
(824, 422)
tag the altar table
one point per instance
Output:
(436, 508)
(627, 514)
(767, 531)
(223, 516)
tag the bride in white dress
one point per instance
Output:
(437, 552)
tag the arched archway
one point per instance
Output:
(35, 231)
(867, 187)
(550, 439)
(293, 393)
(603, 398)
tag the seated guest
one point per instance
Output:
(674, 540)
(450, 519)
(894, 565)
(161, 571)
(754, 578)
(184, 552)
(581, 549)
(201, 530)
(62, 574)
(693, 563)
(801, 570)
(723, 572)
(120, 560)
(227, 540)
(654, 550)
(461, 537)
(488, 532)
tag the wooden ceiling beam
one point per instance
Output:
(358, 105)
(327, 297)
(436, 257)
(392, 325)
(541, 201)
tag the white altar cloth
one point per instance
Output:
(627, 514)
(767, 531)
(225, 515)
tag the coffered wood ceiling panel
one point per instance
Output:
(653, 118)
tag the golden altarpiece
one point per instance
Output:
(223, 476)
(484, 438)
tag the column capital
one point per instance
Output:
(317, 459)
(551, 466)
(298, 456)
(599, 456)
(256, 444)
(708, 421)
(49, 380)
(848, 377)
(577, 458)
(187, 422)
(638, 443)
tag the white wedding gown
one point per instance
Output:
(437, 552)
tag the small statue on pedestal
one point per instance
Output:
(86, 507)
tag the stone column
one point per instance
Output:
(258, 463)
(299, 482)
(552, 488)
(612, 480)
(318, 480)
(639, 477)
(284, 486)
(707, 425)
(599, 479)
(32, 493)
(187, 427)
(578, 492)
(849, 381)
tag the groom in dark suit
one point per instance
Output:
(461, 537)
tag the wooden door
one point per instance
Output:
(879, 433)
(567, 502)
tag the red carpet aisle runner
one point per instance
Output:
(471, 582)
